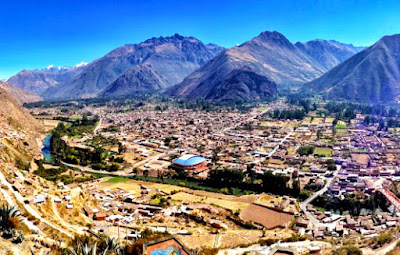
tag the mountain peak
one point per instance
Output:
(275, 38)
(389, 40)
(174, 38)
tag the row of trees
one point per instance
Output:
(249, 180)
(297, 114)
(353, 203)
(97, 157)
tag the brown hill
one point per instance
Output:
(19, 95)
(20, 131)
(371, 76)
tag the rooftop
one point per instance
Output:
(189, 160)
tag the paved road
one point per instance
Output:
(252, 117)
(304, 204)
(280, 143)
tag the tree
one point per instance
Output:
(121, 148)
(295, 188)
(332, 167)
(305, 150)
(250, 172)
(114, 167)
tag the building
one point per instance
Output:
(190, 162)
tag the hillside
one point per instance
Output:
(38, 81)
(19, 95)
(137, 79)
(20, 131)
(239, 84)
(371, 76)
(270, 54)
(328, 53)
(171, 58)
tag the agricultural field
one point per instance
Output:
(224, 203)
(268, 218)
(323, 152)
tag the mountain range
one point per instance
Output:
(270, 55)
(184, 66)
(371, 76)
(328, 53)
(39, 80)
(164, 61)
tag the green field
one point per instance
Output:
(341, 130)
(118, 180)
(261, 109)
(324, 152)
(340, 126)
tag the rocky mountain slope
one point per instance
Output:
(270, 54)
(168, 60)
(20, 131)
(137, 79)
(239, 84)
(328, 53)
(38, 81)
(19, 95)
(371, 76)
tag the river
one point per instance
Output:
(46, 152)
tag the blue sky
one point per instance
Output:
(35, 34)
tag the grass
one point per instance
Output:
(340, 126)
(261, 109)
(341, 130)
(118, 180)
(324, 152)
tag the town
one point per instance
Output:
(339, 178)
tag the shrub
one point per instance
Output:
(347, 250)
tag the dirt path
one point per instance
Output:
(30, 209)
(71, 228)
(381, 251)
(28, 223)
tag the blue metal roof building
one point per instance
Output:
(189, 160)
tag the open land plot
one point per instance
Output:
(227, 204)
(272, 201)
(317, 120)
(329, 120)
(223, 240)
(266, 217)
(291, 151)
(133, 186)
(51, 123)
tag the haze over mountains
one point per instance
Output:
(184, 66)
(371, 76)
